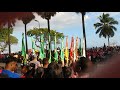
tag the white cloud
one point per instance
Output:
(60, 21)
(65, 19)
(68, 20)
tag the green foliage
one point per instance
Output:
(105, 27)
(4, 31)
(13, 40)
(35, 32)
(4, 38)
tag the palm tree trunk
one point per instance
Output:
(26, 39)
(84, 35)
(48, 25)
(49, 31)
(108, 41)
(9, 40)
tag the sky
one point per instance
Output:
(69, 23)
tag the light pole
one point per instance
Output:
(38, 23)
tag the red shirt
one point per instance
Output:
(0, 71)
(22, 76)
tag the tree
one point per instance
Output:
(9, 19)
(4, 39)
(36, 32)
(83, 25)
(47, 16)
(105, 27)
(26, 17)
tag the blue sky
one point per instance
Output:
(70, 24)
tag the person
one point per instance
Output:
(39, 72)
(35, 61)
(45, 67)
(24, 70)
(31, 72)
(82, 67)
(45, 62)
(74, 72)
(28, 71)
(54, 70)
(67, 72)
(16, 69)
(10, 67)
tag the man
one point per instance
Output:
(10, 67)
(54, 70)
(35, 61)
(45, 67)
(45, 62)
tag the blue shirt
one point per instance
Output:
(11, 74)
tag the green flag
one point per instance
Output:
(23, 51)
(33, 45)
(42, 44)
(62, 49)
(49, 51)
(55, 52)
(42, 54)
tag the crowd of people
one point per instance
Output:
(36, 68)
(102, 54)
(45, 70)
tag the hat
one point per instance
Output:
(36, 51)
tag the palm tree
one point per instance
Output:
(8, 18)
(83, 25)
(105, 27)
(47, 16)
(26, 17)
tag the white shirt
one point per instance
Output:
(37, 63)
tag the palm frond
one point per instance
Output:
(113, 22)
(100, 34)
(113, 28)
(97, 25)
(99, 29)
